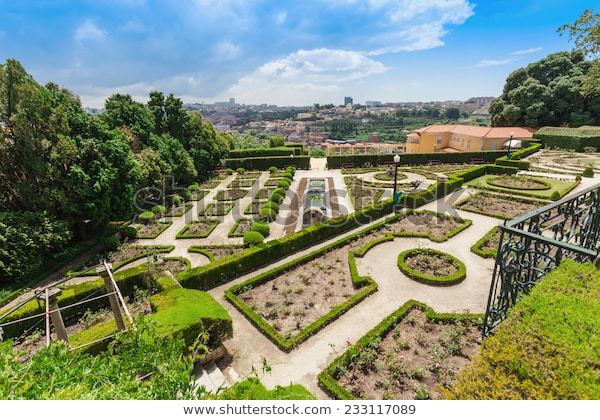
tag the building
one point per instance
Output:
(462, 138)
(231, 102)
(348, 101)
(373, 103)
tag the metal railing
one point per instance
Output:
(535, 243)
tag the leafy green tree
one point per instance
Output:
(277, 141)
(453, 113)
(204, 144)
(122, 111)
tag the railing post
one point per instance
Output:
(103, 271)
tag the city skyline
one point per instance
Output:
(321, 51)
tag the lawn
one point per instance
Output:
(555, 185)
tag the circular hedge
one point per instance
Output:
(253, 238)
(434, 280)
(262, 228)
(194, 187)
(384, 176)
(519, 183)
(146, 217)
(588, 172)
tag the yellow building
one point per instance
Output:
(462, 138)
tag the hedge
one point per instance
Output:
(182, 234)
(150, 249)
(253, 238)
(339, 161)
(264, 163)
(547, 348)
(329, 376)
(299, 147)
(262, 152)
(449, 280)
(569, 138)
(253, 389)
(477, 248)
(251, 259)
(165, 226)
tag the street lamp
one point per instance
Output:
(510, 144)
(396, 162)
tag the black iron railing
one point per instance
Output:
(535, 243)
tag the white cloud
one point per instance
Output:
(88, 31)
(281, 17)
(527, 51)
(304, 77)
(133, 25)
(226, 51)
(490, 63)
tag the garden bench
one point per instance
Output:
(434, 162)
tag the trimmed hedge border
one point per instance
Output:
(327, 377)
(430, 280)
(569, 138)
(204, 250)
(262, 152)
(264, 163)
(166, 226)
(227, 206)
(544, 185)
(462, 202)
(477, 247)
(182, 233)
(186, 208)
(152, 249)
(232, 234)
(336, 162)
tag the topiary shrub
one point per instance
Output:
(291, 169)
(187, 196)
(111, 243)
(174, 200)
(578, 178)
(159, 210)
(229, 171)
(273, 205)
(555, 196)
(252, 238)
(279, 191)
(194, 187)
(240, 171)
(434, 280)
(588, 172)
(289, 177)
(276, 198)
(268, 213)
(284, 183)
(128, 232)
(262, 228)
(147, 217)
(273, 169)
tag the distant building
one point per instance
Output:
(462, 138)
(232, 102)
(348, 101)
(373, 103)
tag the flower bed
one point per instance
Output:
(487, 246)
(518, 183)
(219, 208)
(216, 252)
(231, 194)
(272, 182)
(409, 355)
(432, 267)
(240, 227)
(126, 254)
(178, 211)
(198, 195)
(254, 207)
(385, 176)
(198, 229)
(496, 205)
(264, 193)
(241, 183)
(150, 231)
(360, 195)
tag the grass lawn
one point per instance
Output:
(560, 186)
(252, 389)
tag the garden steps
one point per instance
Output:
(210, 377)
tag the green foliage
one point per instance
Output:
(252, 389)
(276, 197)
(547, 92)
(559, 319)
(478, 247)
(128, 232)
(336, 162)
(560, 186)
(229, 171)
(272, 169)
(283, 183)
(159, 210)
(577, 139)
(262, 228)
(279, 191)
(111, 243)
(453, 113)
(56, 373)
(273, 205)
(252, 238)
(147, 217)
(273, 151)
(277, 141)
(588, 172)
(27, 239)
(240, 171)
(555, 196)
(316, 152)
(264, 163)
(432, 280)
(268, 213)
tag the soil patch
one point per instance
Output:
(231, 194)
(151, 230)
(438, 226)
(431, 264)
(518, 183)
(495, 205)
(220, 208)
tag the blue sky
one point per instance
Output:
(282, 52)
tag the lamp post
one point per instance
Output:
(396, 162)
(510, 143)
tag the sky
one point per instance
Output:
(285, 52)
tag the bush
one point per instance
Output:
(276, 198)
(559, 319)
(261, 152)
(276, 141)
(111, 243)
(555, 196)
(577, 139)
(264, 163)
(194, 187)
(279, 191)
(268, 213)
(262, 228)
(578, 178)
(334, 162)
(284, 183)
(272, 169)
(174, 200)
(229, 171)
(291, 169)
(147, 217)
(253, 238)
(272, 205)
(588, 172)
(128, 232)
(159, 210)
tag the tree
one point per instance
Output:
(205, 146)
(277, 141)
(122, 111)
(547, 92)
(453, 113)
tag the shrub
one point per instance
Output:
(261, 152)
(284, 183)
(174, 200)
(240, 171)
(276, 198)
(194, 187)
(262, 228)
(264, 163)
(588, 172)
(578, 178)
(187, 196)
(268, 213)
(555, 196)
(159, 210)
(128, 232)
(111, 243)
(279, 191)
(252, 238)
(577, 139)
(229, 171)
(334, 162)
(272, 205)
(147, 217)
(291, 169)
(273, 169)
